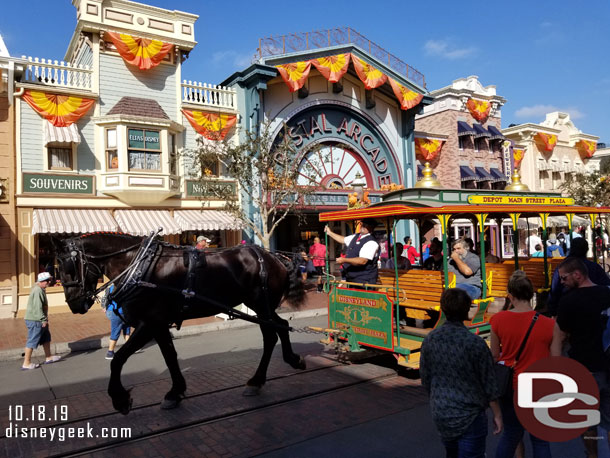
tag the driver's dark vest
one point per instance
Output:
(361, 274)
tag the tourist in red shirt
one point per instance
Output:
(409, 251)
(508, 329)
(318, 255)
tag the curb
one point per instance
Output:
(95, 344)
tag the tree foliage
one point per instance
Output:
(590, 189)
(272, 177)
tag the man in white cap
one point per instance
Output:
(202, 242)
(37, 322)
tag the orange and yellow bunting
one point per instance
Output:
(587, 147)
(479, 109)
(546, 142)
(59, 110)
(518, 154)
(369, 75)
(332, 67)
(295, 74)
(407, 98)
(141, 52)
(428, 148)
(213, 126)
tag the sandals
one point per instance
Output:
(53, 359)
(30, 366)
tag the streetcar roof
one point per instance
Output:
(409, 210)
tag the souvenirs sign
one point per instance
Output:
(367, 314)
(520, 200)
(43, 183)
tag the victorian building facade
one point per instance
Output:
(546, 154)
(97, 138)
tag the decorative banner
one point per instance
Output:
(212, 126)
(295, 74)
(406, 97)
(59, 110)
(545, 141)
(369, 75)
(332, 67)
(428, 148)
(587, 147)
(141, 52)
(479, 109)
(518, 154)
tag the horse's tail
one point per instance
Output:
(295, 289)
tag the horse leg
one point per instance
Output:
(176, 393)
(293, 359)
(121, 399)
(254, 385)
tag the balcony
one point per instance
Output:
(57, 74)
(139, 188)
(205, 95)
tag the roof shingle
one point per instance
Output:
(136, 106)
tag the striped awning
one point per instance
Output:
(207, 220)
(72, 221)
(54, 134)
(142, 222)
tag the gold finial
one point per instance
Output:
(515, 183)
(428, 181)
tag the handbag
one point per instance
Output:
(504, 373)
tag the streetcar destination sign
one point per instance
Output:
(520, 200)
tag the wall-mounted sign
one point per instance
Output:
(143, 139)
(335, 124)
(334, 199)
(196, 189)
(520, 200)
(44, 183)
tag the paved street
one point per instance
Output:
(354, 410)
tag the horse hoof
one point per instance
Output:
(301, 364)
(252, 390)
(169, 404)
(126, 407)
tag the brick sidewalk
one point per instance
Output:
(69, 328)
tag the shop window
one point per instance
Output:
(112, 157)
(60, 157)
(461, 143)
(498, 185)
(470, 184)
(480, 145)
(144, 149)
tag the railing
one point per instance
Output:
(57, 73)
(209, 95)
(294, 42)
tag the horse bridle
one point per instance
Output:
(76, 250)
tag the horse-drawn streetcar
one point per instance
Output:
(366, 315)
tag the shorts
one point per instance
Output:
(603, 383)
(319, 271)
(37, 335)
(116, 325)
(303, 269)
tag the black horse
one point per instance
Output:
(175, 284)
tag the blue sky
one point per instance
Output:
(542, 56)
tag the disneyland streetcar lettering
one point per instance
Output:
(520, 200)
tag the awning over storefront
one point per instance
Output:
(495, 133)
(206, 220)
(464, 129)
(142, 222)
(497, 175)
(483, 175)
(466, 173)
(72, 221)
(481, 132)
(54, 134)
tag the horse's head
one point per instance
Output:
(78, 274)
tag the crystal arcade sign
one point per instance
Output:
(334, 124)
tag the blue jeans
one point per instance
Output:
(513, 433)
(471, 444)
(116, 325)
(472, 290)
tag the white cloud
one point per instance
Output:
(443, 48)
(236, 59)
(539, 111)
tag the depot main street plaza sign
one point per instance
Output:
(44, 183)
(520, 200)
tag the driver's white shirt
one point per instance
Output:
(368, 250)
